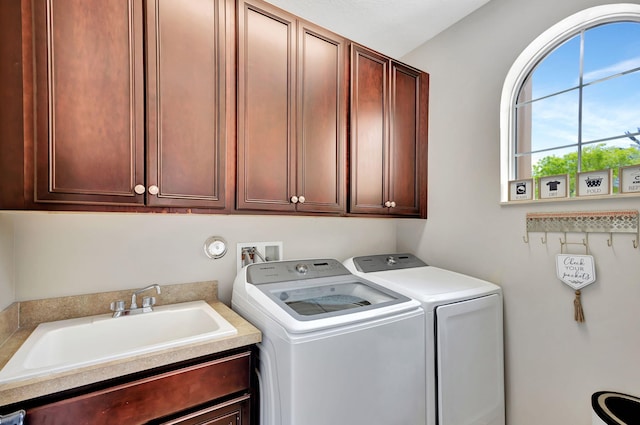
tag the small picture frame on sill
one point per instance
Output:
(630, 179)
(594, 183)
(553, 187)
(521, 190)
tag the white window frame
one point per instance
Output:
(529, 58)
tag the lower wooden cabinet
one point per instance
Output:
(234, 412)
(216, 392)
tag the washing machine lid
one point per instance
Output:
(306, 295)
(322, 298)
(409, 275)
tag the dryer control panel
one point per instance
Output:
(286, 271)
(383, 262)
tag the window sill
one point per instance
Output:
(617, 196)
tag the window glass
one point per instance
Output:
(560, 70)
(579, 108)
(611, 107)
(555, 121)
(610, 49)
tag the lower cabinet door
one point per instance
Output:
(152, 399)
(234, 412)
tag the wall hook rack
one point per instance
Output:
(584, 222)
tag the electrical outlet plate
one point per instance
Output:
(270, 251)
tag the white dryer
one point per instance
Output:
(464, 336)
(336, 348)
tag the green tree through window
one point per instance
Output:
(595, 157)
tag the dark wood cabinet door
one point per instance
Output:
(407, 163)
(266, 108)
(233, 412)
(12, 130)
(155, 397)
(187, 86)
(321, 120)
(369, 131)
(292, 108)
(388, 161)
(89, 91)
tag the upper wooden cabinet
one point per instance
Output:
(105, 70)
(190, 74)
(388, 162)
(292, 109)
(209, 104)
(89, 101)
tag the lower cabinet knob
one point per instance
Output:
(139, 189)
(393, 204)
(294, 199)
(301, 199)
(154, 190)
(387, 204)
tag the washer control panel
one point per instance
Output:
(378, 263)
(285, 271)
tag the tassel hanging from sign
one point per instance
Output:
(578, 313)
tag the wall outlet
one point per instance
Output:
(256, 252)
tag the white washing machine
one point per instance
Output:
(464, 336)
(336, 348)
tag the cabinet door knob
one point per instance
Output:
(393, 204)
(387, 204)
(139, 189)
(154, 190)
(301, 199)
(294, 199)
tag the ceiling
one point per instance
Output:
(392, 27)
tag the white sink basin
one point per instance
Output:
(68, 344)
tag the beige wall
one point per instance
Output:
(553, 364)
(7, 286)
(61, 254)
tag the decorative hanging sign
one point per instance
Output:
(577, 271)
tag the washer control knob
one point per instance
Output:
(391, 261)
(302, 268)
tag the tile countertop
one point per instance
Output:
(27, 315)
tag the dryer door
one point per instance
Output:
(470, 366)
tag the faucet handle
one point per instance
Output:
(117, 306)
(148, 301)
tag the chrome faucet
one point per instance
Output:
(149, 301)
(118, 307)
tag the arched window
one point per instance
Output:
(571, 106)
